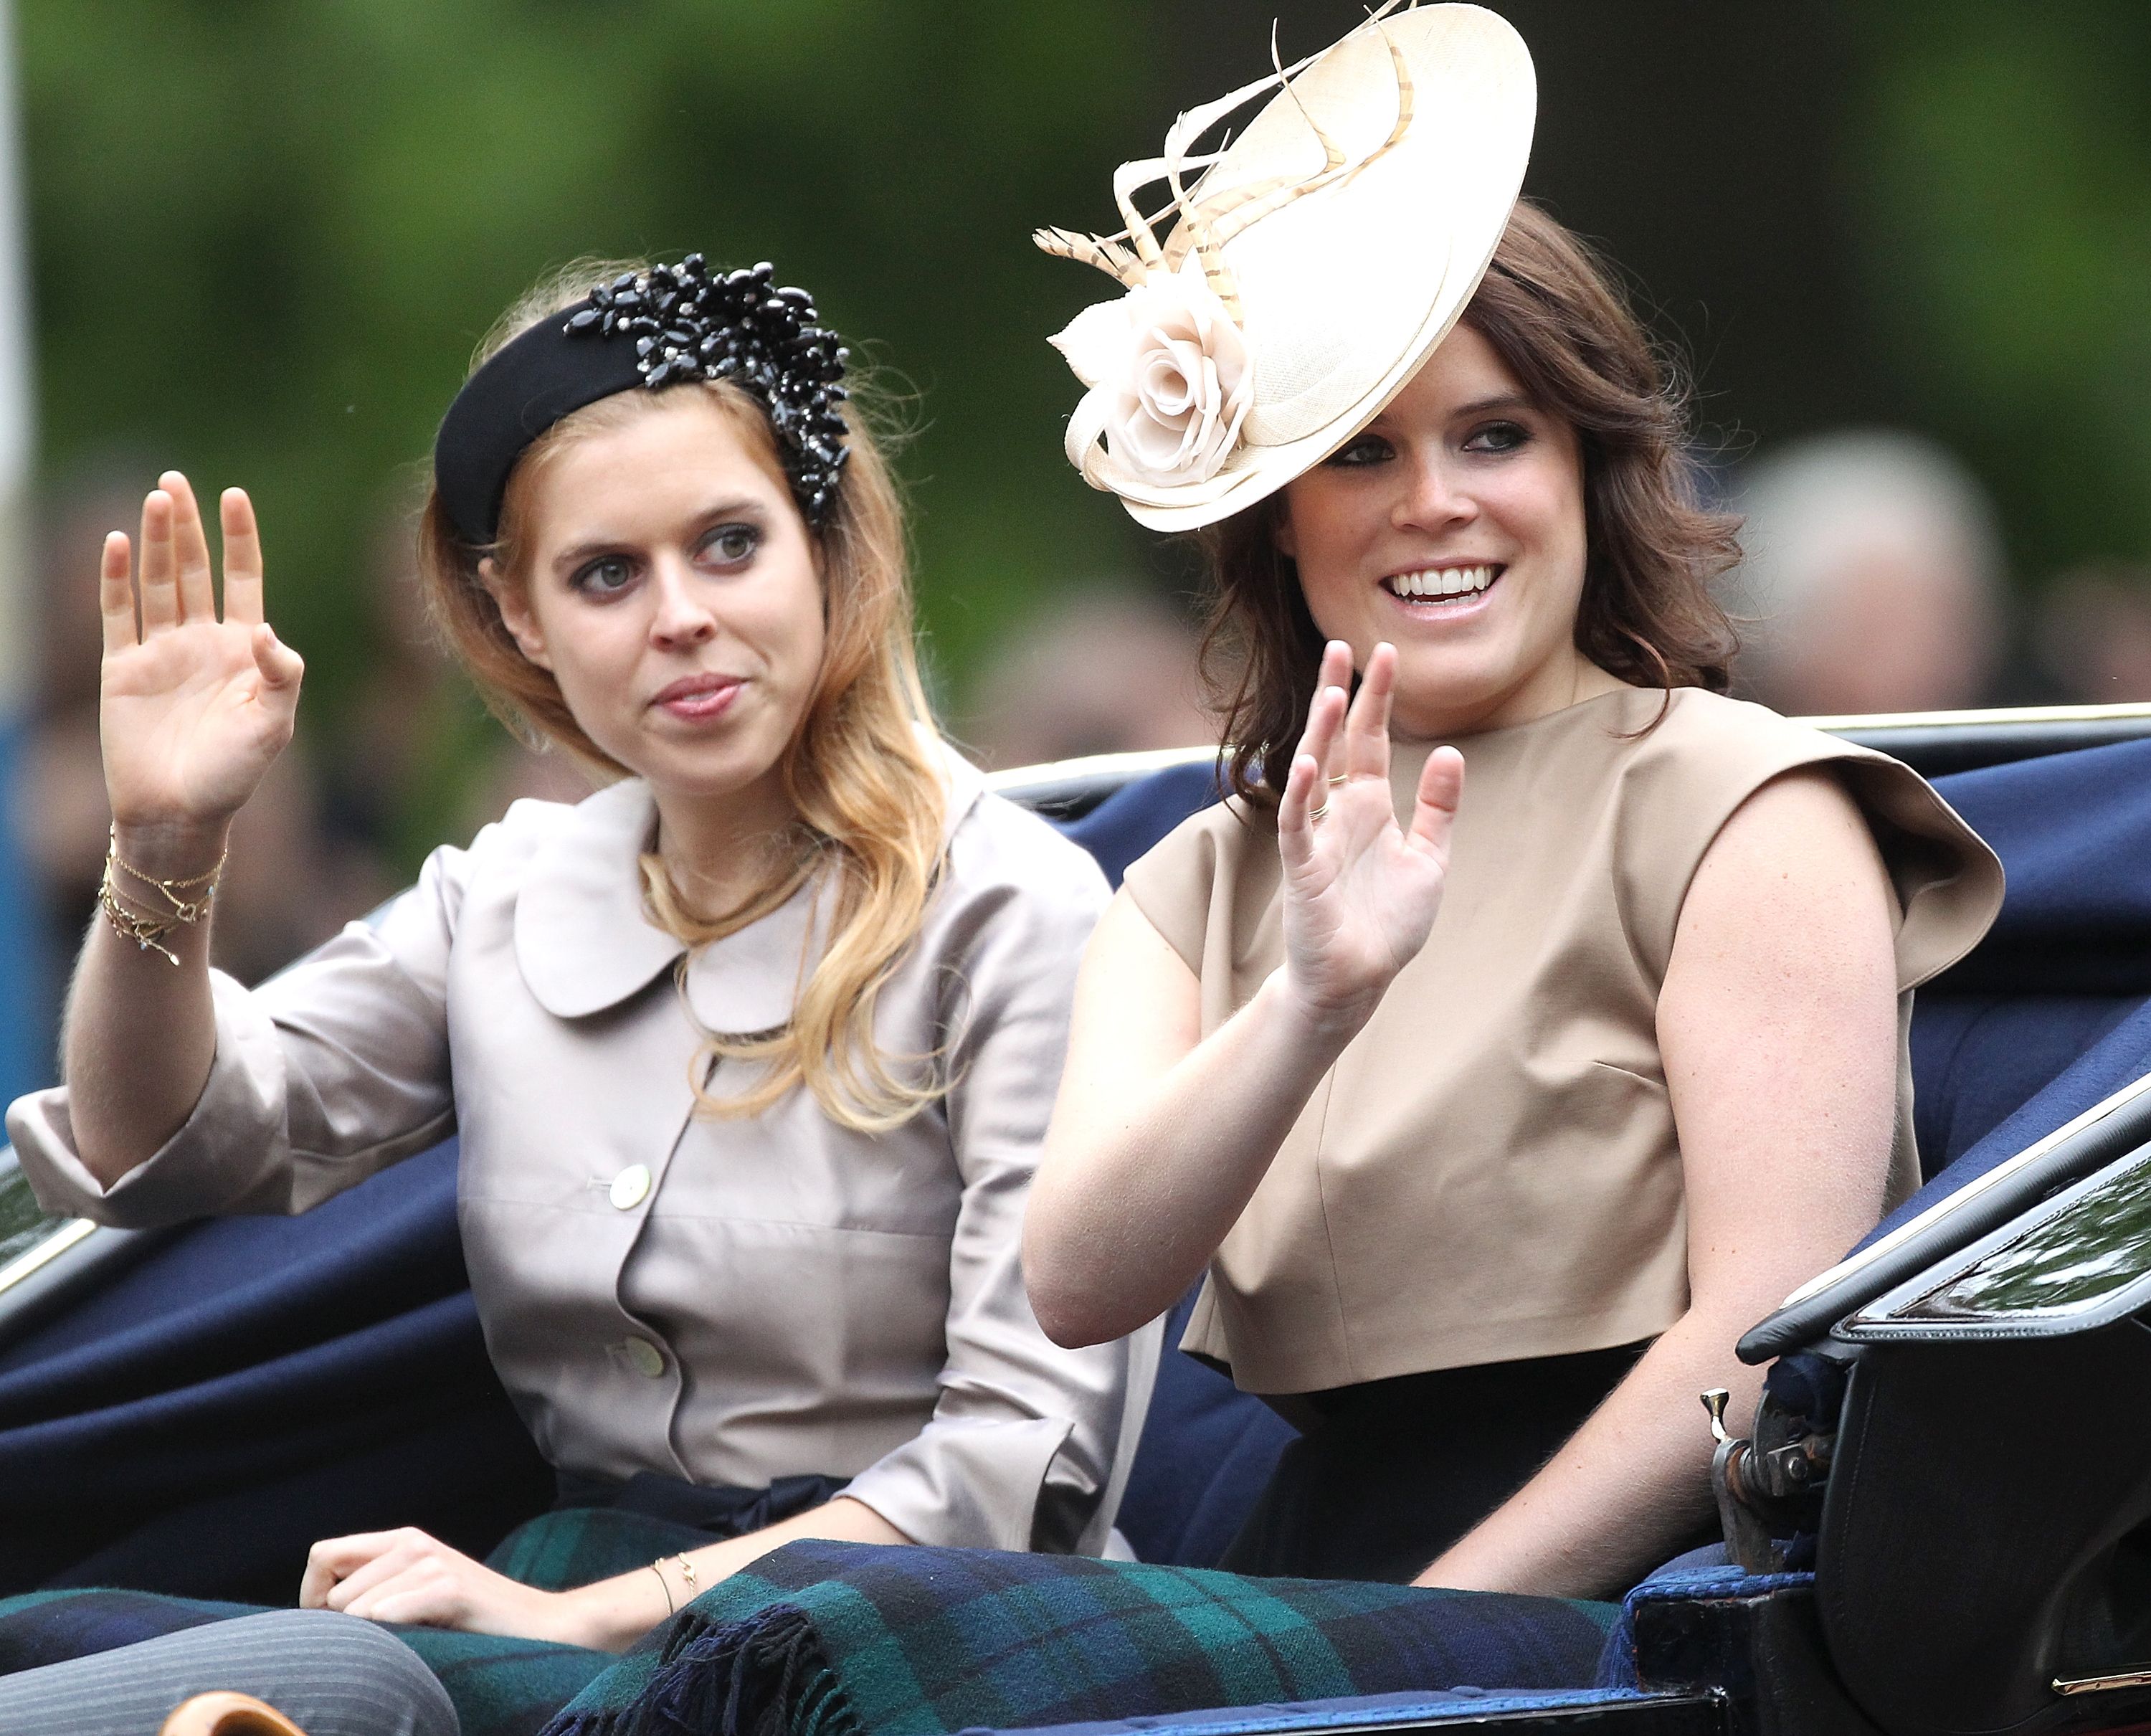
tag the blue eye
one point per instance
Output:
(1498, 437)
(1362, 449)
(606, 576)
(732, 545)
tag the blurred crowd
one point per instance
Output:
(1875, 580)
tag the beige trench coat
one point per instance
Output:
(724, 1301)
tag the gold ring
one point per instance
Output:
(1341, 777)
(1316, 813)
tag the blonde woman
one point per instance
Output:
(750, 1054)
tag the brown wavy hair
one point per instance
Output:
(860, 772)
(1554, 313)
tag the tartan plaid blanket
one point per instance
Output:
(500, 1687)
(828, 1639)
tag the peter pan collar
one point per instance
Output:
(583, 943)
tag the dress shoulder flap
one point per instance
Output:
(1688, 776)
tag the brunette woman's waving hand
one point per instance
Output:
(1360, 891)
(194, 710)
(1161, 1136)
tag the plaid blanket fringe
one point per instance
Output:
(822, 1639)
(764, 1675)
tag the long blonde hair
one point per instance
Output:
(870, 801)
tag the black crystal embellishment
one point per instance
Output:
(687, 323)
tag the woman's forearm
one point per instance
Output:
(1161, 1134)
(1137, 1188)
(140, 1030)
(614, 1613)
(1624, 1491)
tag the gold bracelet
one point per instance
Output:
(132, 920)
(146, 928)
(184, 909)
(688, 1572)
(657, 1567)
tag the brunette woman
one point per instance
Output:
(750, 1054)
(1485, 1201)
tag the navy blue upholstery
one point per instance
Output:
(2074, 831)
(1134, 817)
(2121, 1057)
(257, 1384)
(1977, 1059)
(2067, 962)
(1207, 1449)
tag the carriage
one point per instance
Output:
(1938, 1523)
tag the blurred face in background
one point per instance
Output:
(1901, 624)
(671, 587)
(1874, 578)
(1453, 528)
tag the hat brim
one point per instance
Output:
(1408, 239)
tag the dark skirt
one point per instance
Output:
(1387, 1475)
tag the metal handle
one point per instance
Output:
(2101, 1684)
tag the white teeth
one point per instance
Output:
(1443, 582)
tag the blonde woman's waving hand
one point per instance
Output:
(194, 710)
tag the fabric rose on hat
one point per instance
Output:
(1170, 376)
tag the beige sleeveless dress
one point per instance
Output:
(1491, 1172)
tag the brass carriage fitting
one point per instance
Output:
(1759, 1488)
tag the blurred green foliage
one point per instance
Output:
(1999, 158)
(267, 237)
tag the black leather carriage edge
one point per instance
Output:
(1985, 1557)
(2112, 1130)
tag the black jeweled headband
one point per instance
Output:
(654, 328)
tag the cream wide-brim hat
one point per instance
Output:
(1357, 213)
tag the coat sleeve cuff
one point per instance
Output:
(967, 1485)
(228, 1156)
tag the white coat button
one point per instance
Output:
(644, 1357)
(630, 1187)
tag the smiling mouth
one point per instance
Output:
(1442, 585)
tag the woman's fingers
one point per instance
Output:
(242, 558)
(1440, 789)
(197, 591)
(436, 1602)
(1306, 786)
(1336, 672)
(357, 1586)
(1295, 820)
(1367, 727)
(116, 593)
(280, 667)
(159, 574)
(1325, 719)
(334, 1560)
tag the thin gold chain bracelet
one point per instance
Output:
(187, 899)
